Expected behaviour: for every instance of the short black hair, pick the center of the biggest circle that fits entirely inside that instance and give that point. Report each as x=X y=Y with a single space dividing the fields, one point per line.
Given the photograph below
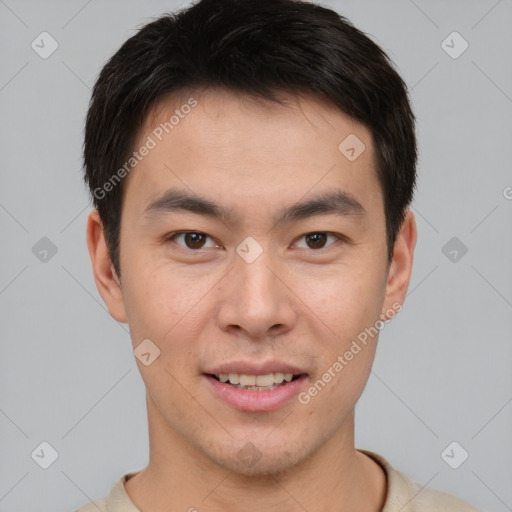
x=259 y=48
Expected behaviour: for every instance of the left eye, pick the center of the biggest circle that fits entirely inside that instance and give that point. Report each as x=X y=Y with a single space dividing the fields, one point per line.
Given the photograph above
x=317 y=240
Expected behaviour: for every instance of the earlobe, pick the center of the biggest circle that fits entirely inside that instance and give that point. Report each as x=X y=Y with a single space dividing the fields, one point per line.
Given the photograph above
x=106 y=279
x=401 y=265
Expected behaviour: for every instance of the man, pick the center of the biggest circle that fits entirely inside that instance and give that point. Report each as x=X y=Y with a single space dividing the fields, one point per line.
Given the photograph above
x=251 y=165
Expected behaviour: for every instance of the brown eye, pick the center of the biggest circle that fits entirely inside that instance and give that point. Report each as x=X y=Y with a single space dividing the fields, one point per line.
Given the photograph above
x=192 y=239
x=317 y=240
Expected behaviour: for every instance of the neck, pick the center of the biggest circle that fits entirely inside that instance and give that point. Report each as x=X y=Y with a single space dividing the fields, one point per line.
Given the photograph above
x=335 y=476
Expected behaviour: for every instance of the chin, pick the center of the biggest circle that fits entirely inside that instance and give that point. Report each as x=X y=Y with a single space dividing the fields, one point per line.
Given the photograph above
x=259 y=458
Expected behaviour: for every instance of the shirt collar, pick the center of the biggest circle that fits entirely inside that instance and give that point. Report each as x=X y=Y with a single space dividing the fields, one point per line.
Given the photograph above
x=398 y=495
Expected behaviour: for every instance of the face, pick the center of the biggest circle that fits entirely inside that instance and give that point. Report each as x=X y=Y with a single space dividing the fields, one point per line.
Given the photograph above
x=252 y=245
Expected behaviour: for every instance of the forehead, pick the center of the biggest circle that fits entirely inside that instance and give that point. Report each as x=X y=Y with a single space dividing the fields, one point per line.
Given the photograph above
x=237 y=146
x=230 y=110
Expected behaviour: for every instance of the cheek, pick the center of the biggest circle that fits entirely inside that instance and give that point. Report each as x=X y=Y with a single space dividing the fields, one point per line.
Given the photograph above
x=152 y=294
x=348 y=304
x=150 y=304
x=165 y=306
x=346 y=301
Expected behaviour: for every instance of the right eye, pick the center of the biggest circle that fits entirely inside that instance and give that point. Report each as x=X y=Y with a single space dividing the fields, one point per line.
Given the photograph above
x=193 y=240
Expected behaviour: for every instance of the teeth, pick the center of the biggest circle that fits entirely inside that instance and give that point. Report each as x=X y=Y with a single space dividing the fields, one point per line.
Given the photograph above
x=255 y=380
x=265 y=380
x=245 y=380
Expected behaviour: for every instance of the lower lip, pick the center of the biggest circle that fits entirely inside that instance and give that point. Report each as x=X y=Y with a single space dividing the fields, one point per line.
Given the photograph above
x=253 y=401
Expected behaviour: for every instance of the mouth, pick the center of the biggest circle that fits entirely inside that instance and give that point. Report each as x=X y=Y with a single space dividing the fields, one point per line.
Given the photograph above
x=250 y=392
x=247 y=382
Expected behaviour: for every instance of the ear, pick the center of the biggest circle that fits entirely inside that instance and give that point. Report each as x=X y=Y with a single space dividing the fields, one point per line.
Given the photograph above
x=400 y=267
x=107 y=282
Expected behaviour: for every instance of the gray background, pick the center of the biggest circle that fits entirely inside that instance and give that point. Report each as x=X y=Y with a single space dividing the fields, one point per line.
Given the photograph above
x=443 y=367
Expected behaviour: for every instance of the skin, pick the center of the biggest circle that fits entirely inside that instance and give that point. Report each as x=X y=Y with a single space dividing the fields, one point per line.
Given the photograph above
x=293 y=303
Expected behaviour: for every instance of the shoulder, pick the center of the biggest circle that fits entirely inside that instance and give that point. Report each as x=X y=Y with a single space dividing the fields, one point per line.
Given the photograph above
x=94 y=506
x=405 y=495
x=429 y=500
x=117 y=501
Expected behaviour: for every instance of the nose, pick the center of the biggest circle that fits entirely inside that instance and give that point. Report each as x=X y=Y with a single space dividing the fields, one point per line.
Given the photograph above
x=257 y=299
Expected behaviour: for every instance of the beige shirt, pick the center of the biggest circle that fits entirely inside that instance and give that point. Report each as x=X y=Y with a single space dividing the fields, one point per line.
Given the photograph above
x=403 y=495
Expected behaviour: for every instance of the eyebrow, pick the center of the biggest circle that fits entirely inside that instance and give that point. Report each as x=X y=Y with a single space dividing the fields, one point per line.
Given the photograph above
x=337 y=202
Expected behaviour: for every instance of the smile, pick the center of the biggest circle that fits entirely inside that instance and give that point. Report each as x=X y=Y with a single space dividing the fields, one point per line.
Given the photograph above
x=256 y=393
x=256 y=382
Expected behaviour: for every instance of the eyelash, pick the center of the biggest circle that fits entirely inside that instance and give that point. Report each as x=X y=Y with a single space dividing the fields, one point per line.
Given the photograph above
x=171 y=238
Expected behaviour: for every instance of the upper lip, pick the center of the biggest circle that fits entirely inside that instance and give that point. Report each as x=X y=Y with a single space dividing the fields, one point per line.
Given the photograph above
x=255 y=368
